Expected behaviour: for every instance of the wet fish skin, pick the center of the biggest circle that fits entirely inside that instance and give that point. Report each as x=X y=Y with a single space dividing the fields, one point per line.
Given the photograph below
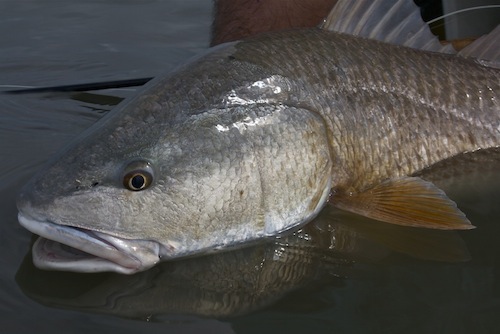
x=210 y=186
x=390 y=111
x=248 y=140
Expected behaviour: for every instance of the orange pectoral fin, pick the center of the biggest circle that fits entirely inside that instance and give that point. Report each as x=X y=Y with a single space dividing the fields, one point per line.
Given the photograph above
x=408 y=201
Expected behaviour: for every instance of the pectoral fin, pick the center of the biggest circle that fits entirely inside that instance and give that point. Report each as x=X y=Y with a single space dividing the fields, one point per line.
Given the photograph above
x=408 y=201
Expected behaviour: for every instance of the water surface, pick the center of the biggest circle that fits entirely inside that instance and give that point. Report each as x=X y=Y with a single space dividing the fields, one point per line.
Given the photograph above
x=341 y=274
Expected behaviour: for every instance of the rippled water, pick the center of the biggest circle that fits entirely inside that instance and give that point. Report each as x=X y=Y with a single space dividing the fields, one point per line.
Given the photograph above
x=340 y=274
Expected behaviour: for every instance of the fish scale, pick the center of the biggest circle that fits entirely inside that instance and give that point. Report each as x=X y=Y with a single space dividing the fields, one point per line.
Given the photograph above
x=455 y=93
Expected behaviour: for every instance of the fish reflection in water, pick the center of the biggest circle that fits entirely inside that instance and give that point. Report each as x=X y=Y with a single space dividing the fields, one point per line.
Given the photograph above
x=241 y=281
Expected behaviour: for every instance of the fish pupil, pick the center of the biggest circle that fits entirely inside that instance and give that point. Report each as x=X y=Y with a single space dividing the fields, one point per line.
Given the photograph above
x=137 y=182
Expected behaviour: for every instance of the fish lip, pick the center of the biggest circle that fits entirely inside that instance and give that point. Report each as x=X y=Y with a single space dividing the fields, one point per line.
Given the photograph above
x=96 y=251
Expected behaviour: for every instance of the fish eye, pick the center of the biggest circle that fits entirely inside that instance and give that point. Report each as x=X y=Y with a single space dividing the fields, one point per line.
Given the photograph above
x=138 y=175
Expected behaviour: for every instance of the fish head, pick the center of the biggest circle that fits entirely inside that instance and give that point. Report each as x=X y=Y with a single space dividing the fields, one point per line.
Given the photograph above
x=151 y=182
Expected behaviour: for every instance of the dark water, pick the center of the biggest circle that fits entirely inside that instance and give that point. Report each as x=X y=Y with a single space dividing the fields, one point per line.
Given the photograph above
x=340 y=274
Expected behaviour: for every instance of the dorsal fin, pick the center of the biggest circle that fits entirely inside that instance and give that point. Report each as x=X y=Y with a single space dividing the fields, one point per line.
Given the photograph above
x=392 y=21
x=486 y=49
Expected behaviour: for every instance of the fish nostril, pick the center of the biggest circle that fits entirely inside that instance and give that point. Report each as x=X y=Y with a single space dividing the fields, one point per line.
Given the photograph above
x=80 y=186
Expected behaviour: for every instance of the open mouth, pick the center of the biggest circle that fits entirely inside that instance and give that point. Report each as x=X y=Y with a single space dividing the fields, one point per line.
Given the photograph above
x=74 y=249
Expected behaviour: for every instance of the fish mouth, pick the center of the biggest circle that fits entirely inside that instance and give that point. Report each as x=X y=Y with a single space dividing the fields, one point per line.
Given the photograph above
x=75 y=249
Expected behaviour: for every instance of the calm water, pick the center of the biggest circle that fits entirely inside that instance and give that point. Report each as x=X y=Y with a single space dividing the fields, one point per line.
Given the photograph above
x=340 y=274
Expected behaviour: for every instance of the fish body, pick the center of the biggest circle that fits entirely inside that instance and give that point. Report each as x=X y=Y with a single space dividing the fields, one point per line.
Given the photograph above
x=253 y=139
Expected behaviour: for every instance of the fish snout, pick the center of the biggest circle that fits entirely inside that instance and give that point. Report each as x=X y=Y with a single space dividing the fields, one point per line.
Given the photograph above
x=31 y=201
x=24 y=199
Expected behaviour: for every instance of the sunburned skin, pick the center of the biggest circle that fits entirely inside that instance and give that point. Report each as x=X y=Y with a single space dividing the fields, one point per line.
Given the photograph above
x=238 y=19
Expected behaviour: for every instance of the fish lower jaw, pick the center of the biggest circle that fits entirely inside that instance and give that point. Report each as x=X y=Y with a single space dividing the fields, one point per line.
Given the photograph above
x=74 y=249
x=52 y=255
